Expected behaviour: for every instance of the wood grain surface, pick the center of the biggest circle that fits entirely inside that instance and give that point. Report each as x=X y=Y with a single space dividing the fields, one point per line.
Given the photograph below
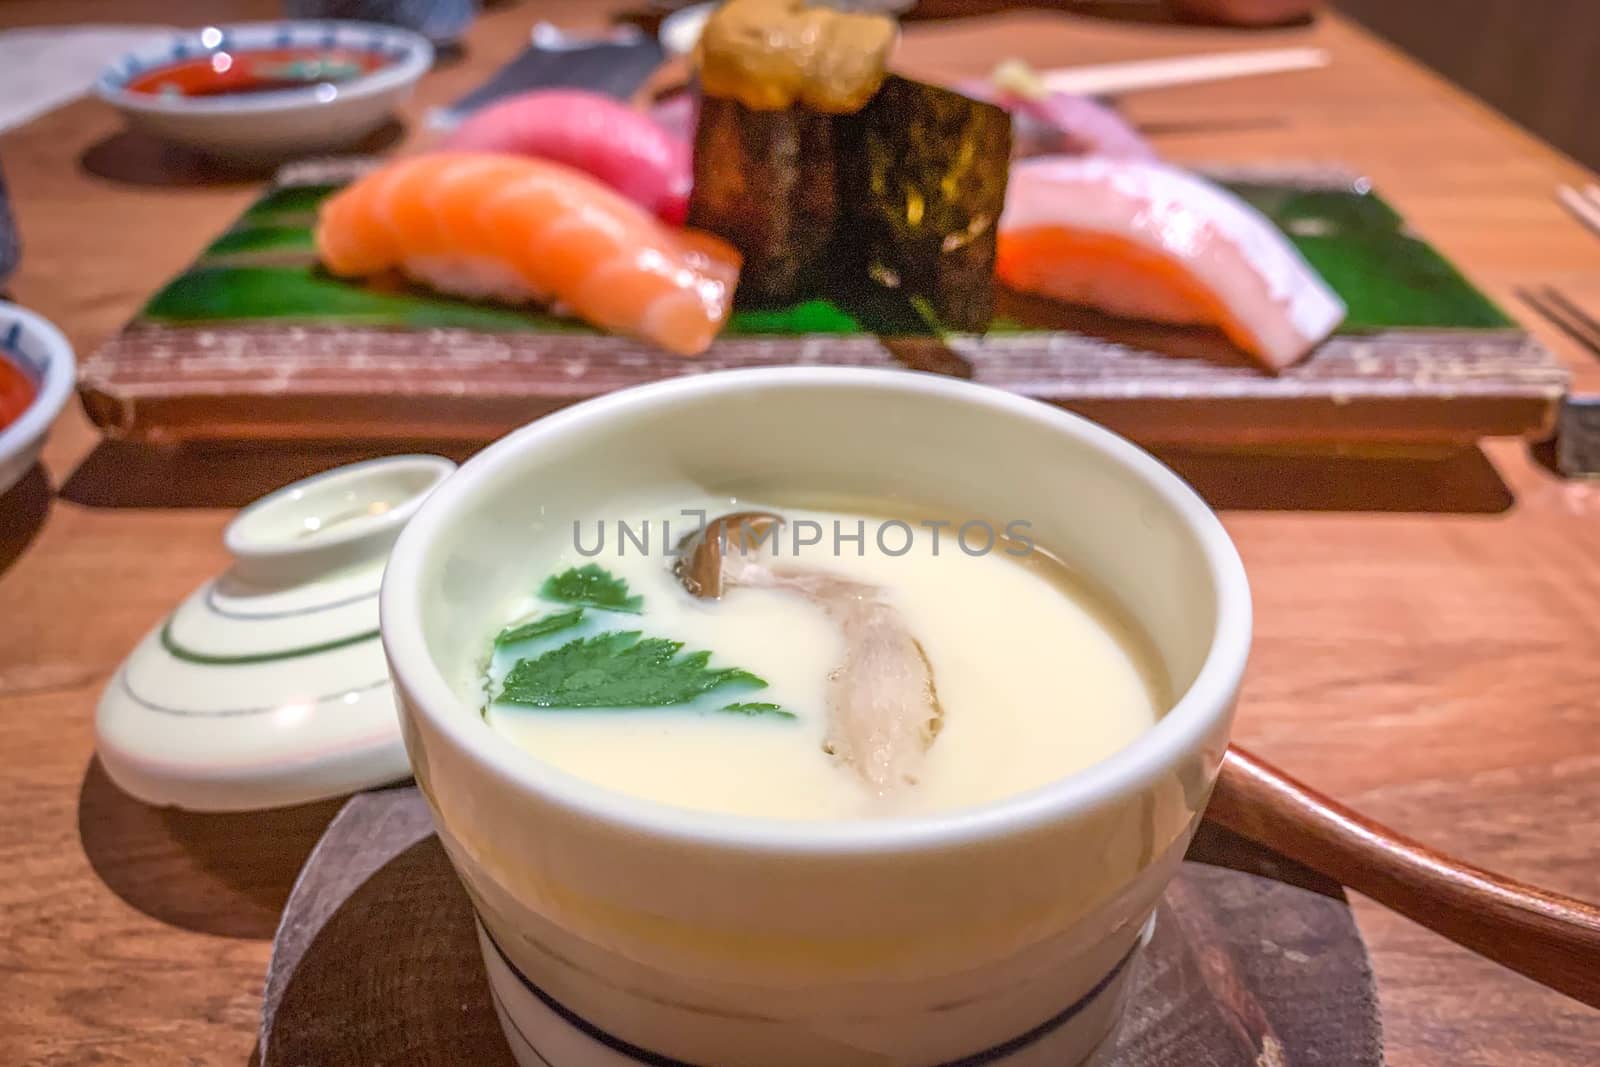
x=277 y=383
x=1426 y=644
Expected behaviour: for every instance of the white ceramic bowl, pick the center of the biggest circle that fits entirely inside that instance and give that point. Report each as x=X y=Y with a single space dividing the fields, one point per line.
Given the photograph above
x=279 y=123
x=622 y=931
x=30 y=342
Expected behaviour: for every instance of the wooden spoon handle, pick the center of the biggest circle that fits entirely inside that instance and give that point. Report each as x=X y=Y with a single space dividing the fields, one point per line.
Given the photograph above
x=1554 y=940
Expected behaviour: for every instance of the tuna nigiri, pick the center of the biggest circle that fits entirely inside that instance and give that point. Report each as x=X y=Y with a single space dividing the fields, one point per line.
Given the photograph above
x=1145 y=240
x=593 y=133
x=515 y=229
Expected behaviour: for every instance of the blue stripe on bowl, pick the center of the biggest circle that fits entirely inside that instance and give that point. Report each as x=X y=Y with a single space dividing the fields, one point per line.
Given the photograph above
x=13 y=337
x=1050 y=1025
x=522 y=1038
x=655 y=1059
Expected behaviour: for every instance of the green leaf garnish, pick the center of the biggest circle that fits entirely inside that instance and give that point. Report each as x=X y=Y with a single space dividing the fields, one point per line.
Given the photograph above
x=617 y=670
x=759 y=707
x=591 y=586
x=539 y=627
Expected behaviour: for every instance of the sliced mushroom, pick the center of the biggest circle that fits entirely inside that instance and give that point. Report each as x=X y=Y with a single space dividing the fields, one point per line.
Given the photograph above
x=883 y=706
x=715 y=555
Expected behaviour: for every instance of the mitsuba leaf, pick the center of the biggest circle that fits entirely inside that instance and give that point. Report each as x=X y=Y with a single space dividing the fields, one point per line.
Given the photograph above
x=618 y=670
x=759 y=707
x=539 y=627
x=591 y=586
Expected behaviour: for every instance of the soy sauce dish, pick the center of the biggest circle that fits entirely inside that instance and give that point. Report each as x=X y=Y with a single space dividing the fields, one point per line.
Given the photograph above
x=635 y=918
x=268 y=90
x=37 y=372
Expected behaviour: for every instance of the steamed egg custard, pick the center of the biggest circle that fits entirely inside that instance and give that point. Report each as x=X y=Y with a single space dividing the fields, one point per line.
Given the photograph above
x=913 y=669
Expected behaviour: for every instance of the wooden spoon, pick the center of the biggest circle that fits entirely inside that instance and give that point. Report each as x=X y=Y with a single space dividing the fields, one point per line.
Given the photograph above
x=1553 y=939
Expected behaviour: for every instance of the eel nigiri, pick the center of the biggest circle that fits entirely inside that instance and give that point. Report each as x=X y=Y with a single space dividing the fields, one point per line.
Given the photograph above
x=514 y=229
x=1145 y=240
x=591 y=132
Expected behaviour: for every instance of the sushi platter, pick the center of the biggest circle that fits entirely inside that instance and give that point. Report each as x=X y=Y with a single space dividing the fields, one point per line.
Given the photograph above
x=556 y=248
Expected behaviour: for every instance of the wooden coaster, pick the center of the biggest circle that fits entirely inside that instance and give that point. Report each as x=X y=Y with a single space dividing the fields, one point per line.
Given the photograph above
x=1255 y=962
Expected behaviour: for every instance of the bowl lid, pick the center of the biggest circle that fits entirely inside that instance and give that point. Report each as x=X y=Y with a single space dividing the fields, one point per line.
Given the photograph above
x=268 y=686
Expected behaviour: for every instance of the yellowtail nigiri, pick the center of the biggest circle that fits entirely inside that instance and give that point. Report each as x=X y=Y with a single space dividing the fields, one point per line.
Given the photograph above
x=1145 y=240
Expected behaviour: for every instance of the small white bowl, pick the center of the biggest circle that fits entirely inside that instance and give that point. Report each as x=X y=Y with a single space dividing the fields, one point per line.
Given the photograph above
x=45 y=356
x=278 y=123
x=620 y=931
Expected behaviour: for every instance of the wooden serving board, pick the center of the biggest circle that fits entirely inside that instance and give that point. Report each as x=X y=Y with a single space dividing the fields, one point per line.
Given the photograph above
x=1254 y=963
x=255 y=342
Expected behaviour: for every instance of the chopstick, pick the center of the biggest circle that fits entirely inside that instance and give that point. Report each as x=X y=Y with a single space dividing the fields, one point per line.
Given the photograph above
x=1109 y=78
x=1585 y=206
x=1565 y=315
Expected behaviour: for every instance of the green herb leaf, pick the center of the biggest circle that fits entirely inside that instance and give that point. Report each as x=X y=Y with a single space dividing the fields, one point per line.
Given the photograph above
x=759 y=707
x=592 y=586
x=617 y=670
x=539 y=627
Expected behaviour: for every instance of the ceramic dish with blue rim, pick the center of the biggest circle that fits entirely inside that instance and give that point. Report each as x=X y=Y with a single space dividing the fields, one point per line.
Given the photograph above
x=268 y=90
x=37 y=372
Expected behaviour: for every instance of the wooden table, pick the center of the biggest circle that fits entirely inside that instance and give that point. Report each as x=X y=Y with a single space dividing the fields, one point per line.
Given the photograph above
x=1426 y=646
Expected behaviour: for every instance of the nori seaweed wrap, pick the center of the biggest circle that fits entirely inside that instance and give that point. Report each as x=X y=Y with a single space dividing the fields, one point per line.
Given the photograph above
x=819 y=166
x=766 y=182
x=922 y=177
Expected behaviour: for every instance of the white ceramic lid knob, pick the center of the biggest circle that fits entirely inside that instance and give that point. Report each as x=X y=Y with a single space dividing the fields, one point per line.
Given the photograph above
x=329 y=521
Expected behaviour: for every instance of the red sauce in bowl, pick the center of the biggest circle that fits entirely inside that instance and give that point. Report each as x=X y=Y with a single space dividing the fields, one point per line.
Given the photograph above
x=258 y=71
x=16 y=392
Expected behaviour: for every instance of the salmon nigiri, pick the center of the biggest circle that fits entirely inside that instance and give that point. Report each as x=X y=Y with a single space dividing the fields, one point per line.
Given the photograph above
x=1145 y=240
x=514 y=229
